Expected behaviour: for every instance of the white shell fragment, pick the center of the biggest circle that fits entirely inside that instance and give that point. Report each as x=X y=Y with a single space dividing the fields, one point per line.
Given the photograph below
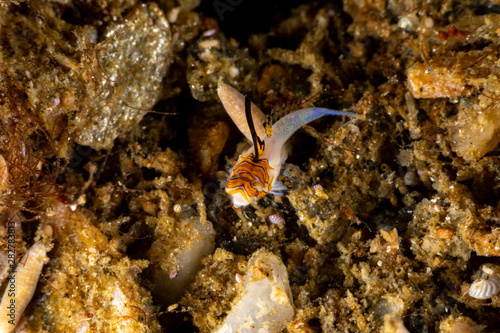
x=266 y=301
x=485 y=288
x=489 y=283
x=21 y=286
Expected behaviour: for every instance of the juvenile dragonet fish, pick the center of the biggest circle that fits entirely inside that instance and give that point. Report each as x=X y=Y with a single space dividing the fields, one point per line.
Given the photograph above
x=256 y=171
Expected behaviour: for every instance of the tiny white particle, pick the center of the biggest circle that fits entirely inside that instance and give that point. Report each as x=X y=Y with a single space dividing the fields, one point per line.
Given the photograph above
x=209 y=33
x=234 y=71
x=209 y=43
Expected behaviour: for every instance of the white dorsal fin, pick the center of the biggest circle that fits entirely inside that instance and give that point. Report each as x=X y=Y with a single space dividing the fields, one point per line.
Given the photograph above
x=234 y=103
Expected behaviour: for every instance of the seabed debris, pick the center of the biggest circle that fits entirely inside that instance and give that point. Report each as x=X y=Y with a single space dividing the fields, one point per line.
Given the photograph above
x=115 y=151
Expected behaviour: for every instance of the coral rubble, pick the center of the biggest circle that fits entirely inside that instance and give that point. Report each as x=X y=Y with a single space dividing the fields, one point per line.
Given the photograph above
x=112 y=136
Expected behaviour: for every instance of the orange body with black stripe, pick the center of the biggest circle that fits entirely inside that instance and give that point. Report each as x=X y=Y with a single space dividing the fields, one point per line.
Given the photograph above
x=253 y=177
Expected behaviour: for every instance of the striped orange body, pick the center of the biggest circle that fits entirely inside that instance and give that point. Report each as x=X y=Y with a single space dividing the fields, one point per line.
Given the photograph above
x=250 y=178
x=256 y=172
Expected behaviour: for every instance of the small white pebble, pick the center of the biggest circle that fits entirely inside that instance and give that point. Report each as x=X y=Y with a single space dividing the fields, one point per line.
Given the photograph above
x=209 y=33
x=428 y=22
x=410 y=178
x=209 y=43
x=405 y=23
x=173 y=14
x=47 y=230
x=239 y=278
x=234 y=71
x=172 y=307
x=276 y=219
x=56 y=101
x=177 y=208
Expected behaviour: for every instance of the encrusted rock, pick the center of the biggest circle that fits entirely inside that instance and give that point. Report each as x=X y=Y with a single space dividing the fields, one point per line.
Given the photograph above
x=132 y=60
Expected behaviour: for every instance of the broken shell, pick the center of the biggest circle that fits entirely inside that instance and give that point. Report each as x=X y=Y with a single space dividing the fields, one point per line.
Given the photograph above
x=21 y=286
x=485 y=288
